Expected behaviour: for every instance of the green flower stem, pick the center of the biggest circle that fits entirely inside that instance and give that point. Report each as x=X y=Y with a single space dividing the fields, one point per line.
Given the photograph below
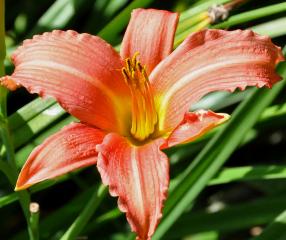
x=80 y=222
x=34 y=219
x=63 y=215
x=7 y=170
x=23 y=196
x=252 y=15
x=3 y=91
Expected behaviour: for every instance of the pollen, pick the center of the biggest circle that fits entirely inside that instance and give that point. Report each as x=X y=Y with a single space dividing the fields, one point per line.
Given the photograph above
x=143 y=112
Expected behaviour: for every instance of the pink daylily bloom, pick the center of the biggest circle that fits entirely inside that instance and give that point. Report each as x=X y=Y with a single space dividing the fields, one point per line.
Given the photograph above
x=133 y=105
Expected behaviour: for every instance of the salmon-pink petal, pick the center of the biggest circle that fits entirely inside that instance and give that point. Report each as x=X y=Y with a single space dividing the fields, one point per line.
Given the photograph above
x=194 y=125
x=139 y=176
x=80 y=70
x=208 y=61
x=151 y=33
x=71 y=148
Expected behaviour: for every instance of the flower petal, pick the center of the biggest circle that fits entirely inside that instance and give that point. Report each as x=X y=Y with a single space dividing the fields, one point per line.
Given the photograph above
x=194 y=125
x=208 y=61
x=151 y=33
x=71 y=148
x=139 y=176
x=80 y=70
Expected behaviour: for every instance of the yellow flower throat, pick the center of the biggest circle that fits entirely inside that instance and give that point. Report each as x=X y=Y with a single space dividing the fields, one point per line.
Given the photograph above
x=144 y=116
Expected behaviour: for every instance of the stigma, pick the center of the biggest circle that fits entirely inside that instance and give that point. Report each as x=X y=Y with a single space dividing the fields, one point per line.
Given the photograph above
x=143 y=112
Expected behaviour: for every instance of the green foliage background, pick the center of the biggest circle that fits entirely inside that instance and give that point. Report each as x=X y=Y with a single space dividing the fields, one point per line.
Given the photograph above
x=229 y=185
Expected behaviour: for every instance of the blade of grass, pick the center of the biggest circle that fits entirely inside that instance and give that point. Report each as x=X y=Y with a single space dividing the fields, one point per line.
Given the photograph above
x=8 y=199
x=275 y=28
x=28 y=112
x=7 y=170
x=275 y=230
x=105 y=10
x=106 y=217
x=204 y=236
x=247 y=173
x=37 y=124
x=217 y=151
x=112 y=30
x=93 y=203
x=220 y=100
x=231 y=218
x=58 y=15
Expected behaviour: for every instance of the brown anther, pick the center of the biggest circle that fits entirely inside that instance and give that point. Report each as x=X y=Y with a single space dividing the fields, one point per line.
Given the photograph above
x=128 y=64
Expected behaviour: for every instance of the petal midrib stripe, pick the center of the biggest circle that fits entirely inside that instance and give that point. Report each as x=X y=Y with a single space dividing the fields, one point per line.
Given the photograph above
x=181 y=83
x=70 y=70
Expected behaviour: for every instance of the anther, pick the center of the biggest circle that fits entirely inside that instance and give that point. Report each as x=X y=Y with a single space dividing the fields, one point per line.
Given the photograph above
x=143 y=113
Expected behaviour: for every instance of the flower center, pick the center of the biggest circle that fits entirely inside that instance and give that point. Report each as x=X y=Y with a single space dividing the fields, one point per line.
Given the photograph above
x=144 y=116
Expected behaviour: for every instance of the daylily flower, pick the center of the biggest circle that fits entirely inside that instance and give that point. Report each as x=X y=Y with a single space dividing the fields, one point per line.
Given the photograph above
x=133 y=105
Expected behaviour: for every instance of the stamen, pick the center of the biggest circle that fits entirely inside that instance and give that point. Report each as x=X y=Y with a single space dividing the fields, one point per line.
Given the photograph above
x=144 y=116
